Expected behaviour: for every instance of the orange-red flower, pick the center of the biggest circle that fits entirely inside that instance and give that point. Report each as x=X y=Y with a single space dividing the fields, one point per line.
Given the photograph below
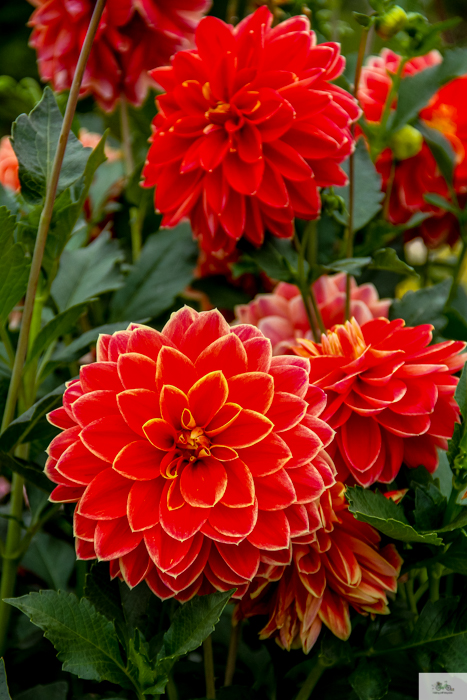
x=343 y=567
x=248 y=130
x=8 y=165
x=419 y=175
x=281 y=316
x=191 y=453
x=133 y=37
x=390 y=395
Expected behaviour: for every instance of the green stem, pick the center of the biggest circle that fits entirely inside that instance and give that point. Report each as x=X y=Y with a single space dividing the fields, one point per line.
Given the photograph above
x=421 y=590
x=457 y=274
x=46 y=218
x=313 y=678
x=434 y=586
x=411 y=598
x=5 y=338
x=235 y=636
x=172 y=689
x=126 y=137
x=209 y=669
x=304 y=287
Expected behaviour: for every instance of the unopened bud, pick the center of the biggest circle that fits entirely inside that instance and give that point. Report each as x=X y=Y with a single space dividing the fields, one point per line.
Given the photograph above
x=406 y=142
x=333 y=202
x=393 y=21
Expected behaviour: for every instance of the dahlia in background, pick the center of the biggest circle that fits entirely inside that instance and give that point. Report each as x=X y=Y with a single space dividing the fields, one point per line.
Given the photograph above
x=390 y=396
x=281 y=316
x=192 y=455
x=344 y=567
x=8 y=166
x=248 y=130
x=418 y=175
x=133 y=37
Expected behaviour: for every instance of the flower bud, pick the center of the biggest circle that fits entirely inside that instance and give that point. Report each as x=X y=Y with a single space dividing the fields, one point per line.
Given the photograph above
x=406 y=142
x=391 y=22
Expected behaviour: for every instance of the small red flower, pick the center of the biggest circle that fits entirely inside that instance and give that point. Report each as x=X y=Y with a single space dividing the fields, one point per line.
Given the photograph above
x=8 y=165
x=248 y=130
x=343 y=567
x=419 y=175
x=133 y=37
x=281 y=316
x=390 y=395
x=192 y=454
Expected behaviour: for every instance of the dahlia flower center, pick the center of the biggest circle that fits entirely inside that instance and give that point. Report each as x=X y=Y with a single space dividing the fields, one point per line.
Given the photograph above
x=345 y=340
x=193 y=443
x=231 y=115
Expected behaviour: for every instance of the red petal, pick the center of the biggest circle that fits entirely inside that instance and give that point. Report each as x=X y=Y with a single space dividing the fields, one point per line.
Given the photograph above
x=174 y=368
x=143 y=504
x=63 y=441
x=84 y=550
x=252 y=390
x=135 y=565
x=66 y=494
x=290 y=378
x=157 y=586
x=272 y=530
x=60 y=418
x=167 y=552
x=106 y=496
x=137 y=407
x=183 y=522
x=207 y=396
x=161 y=434
x=240 y=491
x=248 y=429
x=275 y=491
x=173 y=402
x=147 y=341
x=100 y=375
x=267 y=456
x=118 y=344
x=242 y=558
x=208 y=327
x=226 y=354
x=80 y=465
x=203 y=482
x=113 y=539
x=137 y=371
x=244 y=178
x=259 y=353
x=107 y=436
x=286 y=411
x=361 y=441
x=308 y=483
x=219 y=573
x=233 y=521
x=83 y=528
x=405 y=426
x=287 y=160
x=298 y=520
x=303 y=443
x=94 y=405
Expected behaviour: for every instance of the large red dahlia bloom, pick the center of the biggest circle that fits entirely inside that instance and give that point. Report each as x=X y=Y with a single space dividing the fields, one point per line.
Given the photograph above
x=249 y=128
x=192 y=454
x=133 y=37
x=419 y=175
x=345 y=566
x=281 y=316
x=390 y=395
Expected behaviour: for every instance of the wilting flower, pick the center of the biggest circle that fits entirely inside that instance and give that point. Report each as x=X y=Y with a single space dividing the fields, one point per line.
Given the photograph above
x=281 y=316
x=419 y=175
x=248 y=130
x=8 y=165
x=343 y=567
x=191 y=453
x=390 y=395
x=133 y=37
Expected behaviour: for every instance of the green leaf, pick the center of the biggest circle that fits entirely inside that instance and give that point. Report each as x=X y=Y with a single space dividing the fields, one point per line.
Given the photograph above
x=353 y=266
x=423 y=306
x=88 y=272
x=387 y=517
x=85 y=640
x=70 y=352
x=368 y=195
x=461 y=392
x=278 y=261
x=164 y=269
x=221 y=294
x=438 y=201
x=456 y=556
x=28 y=470
x=387 y=259
x=415 y=91
x=370 y=680
x=430 y=505
x=52 y=691
x=35 y=139
x=105 y=597
x=4 y=691
x=51 y=559
x=457 y=523
x=14 y=266
x=32 y=423
x=57 y=327
x=441 y=150
x=191 y=624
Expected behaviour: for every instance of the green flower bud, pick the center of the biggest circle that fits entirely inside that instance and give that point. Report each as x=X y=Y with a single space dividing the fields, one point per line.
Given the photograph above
x=406 y=142
x=391 y=22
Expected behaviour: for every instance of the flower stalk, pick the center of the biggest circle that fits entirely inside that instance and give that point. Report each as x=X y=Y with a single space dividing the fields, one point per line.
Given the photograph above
x=235 y=636
x=312 y=680
x=209 y=669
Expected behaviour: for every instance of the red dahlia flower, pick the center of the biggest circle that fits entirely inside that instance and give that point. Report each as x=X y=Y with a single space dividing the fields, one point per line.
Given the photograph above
x=8 y=165
x=133 y=37
x=281 y=316
x=192 y=454
x=416 y=176
x=390 y=395
x=345 y=566
x=248 y=130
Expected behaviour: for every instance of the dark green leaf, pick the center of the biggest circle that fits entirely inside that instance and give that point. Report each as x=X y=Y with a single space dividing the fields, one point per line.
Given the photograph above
x=387 y=259
x=4 y=691
x=277 y=261
x=164 y=269
x=85 y=640
x=29 y=471
x=415 y=91
x=221 y=294
x=14 y=266
x=430 y=505
x=51 y=559
x=35 y=140
x=423 y=306
x=370 y=680
x=32 y=422
x=363 y=20
x=353 y=266
x=105 y=597
x=373 y=508
x=456 y=556
x=368 y=195
x=442 y=151
x=457 y=523
x=52 y=691
x=70 y=352
x=60 y=325
x=461 y=392
x=88 y=272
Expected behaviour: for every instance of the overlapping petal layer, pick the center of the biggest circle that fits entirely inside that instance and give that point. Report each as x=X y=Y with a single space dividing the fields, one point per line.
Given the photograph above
x=248 y=130
x=281 y=316
x=419 y=175
x=343 y=567
x=191 y=453
x=134 y=36
x=390 y=395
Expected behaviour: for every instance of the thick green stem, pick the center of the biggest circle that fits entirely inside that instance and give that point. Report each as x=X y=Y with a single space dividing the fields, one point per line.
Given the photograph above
x=235 y=636
x=172 y=692
x=209 y=669
x=306 y=290
x=313 y=678
x=46 y=218
x=411 y=598
x=136 y=221
x=434 y=586
x=5 y=338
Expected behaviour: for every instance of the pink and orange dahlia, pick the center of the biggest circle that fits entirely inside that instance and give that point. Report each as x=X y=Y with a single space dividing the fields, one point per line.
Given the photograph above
x=248 y=130
x=134 y=36
x=419 y=175
x=343 y=567
x=281 y=316
x=8 y=165
x=192 y=455
x=390 y=395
